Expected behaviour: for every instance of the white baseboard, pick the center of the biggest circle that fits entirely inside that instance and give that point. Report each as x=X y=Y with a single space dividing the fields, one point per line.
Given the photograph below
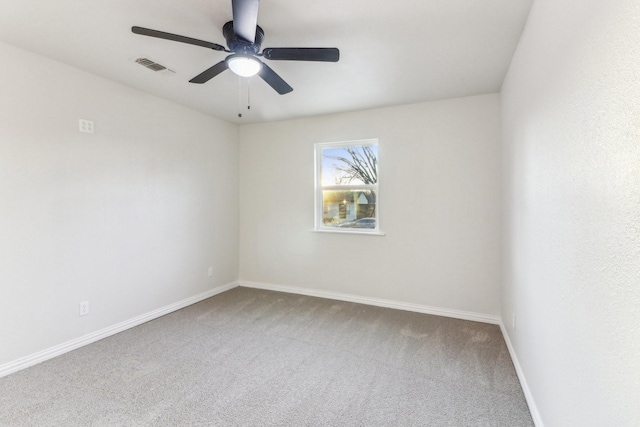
x=41 y=356
x=457 y=314
x=535 y=414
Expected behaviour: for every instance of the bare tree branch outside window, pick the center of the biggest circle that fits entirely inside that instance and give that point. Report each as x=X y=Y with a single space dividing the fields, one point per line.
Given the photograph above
x=362 y=165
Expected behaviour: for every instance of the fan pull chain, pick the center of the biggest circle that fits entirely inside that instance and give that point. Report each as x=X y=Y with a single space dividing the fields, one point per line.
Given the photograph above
x=239 y=95
x=248 y=93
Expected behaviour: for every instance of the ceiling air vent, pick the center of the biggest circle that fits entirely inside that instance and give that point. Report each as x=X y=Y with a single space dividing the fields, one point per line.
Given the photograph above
x=154 y=66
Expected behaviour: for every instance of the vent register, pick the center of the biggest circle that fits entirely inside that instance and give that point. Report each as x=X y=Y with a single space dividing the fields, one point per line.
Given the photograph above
x=154 y=66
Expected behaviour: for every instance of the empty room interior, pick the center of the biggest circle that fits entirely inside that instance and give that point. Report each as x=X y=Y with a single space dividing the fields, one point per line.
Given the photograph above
x=173 y=253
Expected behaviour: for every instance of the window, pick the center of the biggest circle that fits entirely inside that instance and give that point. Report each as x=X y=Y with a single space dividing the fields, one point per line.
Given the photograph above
x=347 y=186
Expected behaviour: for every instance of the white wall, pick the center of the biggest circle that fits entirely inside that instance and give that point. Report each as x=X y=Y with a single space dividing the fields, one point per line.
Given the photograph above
x=439 y=206
x=571 y=132
x=128 y=218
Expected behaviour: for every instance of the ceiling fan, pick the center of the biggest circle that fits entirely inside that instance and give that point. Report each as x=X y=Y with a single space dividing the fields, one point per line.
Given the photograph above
x=244 y=38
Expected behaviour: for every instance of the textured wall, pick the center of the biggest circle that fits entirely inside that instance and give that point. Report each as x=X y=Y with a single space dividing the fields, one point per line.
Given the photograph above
x=439 y=206
x=128 y=218
x=571 y=252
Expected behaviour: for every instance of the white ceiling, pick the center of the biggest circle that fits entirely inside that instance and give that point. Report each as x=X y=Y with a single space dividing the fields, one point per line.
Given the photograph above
x=391 y=52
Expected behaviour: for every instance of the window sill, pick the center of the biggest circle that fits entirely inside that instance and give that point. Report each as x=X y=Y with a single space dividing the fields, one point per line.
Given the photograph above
x=361 y=233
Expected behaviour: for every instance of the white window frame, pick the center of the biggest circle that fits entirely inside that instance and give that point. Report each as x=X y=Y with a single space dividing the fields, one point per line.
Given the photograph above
x=318 y=205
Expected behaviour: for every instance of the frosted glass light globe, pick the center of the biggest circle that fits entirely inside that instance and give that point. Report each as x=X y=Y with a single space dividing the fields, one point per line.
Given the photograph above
x=244 y=65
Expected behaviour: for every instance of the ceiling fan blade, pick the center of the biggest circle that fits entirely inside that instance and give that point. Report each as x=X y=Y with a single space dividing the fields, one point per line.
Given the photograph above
x=245 y=18
x=176 y=38
x=274 y=80
x=209 y=73
x=324 y=54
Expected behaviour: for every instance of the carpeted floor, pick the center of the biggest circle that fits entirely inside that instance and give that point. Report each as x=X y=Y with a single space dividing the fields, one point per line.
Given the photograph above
x=250 y=357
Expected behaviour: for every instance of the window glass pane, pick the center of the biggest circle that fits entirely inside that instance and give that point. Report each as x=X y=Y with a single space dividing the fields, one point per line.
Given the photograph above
x=350 y=165
x=349 y=208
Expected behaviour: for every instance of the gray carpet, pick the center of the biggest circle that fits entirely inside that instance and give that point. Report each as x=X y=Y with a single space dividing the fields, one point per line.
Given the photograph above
x=250 y=357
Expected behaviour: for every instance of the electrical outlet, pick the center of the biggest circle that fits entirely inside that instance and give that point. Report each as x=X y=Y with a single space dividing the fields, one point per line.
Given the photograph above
x=84 y=308
x=210 y=271
x=85 y=126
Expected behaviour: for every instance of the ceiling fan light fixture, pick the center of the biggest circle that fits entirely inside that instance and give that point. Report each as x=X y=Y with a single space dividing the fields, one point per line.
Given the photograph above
x=243 y=65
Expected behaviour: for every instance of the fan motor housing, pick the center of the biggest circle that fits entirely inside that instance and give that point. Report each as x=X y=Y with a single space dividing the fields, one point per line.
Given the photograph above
x=239 y=45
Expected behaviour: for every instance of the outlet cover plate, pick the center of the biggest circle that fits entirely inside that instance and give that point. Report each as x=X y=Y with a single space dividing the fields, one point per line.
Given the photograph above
x=85 y=126
x=84 y=308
